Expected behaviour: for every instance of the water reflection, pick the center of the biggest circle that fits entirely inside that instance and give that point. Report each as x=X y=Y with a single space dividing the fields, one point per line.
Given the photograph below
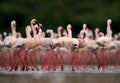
x=60 y=77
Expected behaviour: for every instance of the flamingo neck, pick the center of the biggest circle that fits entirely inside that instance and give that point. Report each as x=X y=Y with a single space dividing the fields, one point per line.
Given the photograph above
x=28 y=34
x=59 y=33
x=69 y=32
x=109 y=31
x=65 y=33
x=14 y=33
x=51 y=33
x=96 y=34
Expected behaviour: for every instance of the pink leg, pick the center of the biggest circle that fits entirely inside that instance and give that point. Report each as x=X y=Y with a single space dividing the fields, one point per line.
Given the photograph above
x=34 y=63
x=17 y=58
x=61 y=62
x=74 y=60
x=26 y=60
x=98 y=59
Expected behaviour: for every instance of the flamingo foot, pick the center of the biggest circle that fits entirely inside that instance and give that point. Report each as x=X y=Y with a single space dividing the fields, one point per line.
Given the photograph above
x=73 y=69
x=23 y=68
x=16 y=67
x=62 y=68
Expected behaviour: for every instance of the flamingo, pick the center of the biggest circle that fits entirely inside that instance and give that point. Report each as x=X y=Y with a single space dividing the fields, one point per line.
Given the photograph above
x=59 y=29
x=67 y=42
x=58 y=47
x=28 y=43
x=9 y=41
x=87 y=46
x=105 y=42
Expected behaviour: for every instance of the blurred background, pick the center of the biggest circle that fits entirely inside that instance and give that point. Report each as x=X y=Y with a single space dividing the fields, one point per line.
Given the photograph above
x=54 y=13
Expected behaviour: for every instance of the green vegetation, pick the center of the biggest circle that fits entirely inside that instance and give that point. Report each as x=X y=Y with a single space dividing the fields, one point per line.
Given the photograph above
x=52 y=13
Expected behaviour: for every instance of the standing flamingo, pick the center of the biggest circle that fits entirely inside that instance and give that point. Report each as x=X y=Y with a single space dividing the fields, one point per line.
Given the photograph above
x=105 y=42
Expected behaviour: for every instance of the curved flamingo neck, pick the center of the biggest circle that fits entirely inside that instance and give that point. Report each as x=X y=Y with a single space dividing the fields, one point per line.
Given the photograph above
x=96 y=33
x=65 y=33
x=69 y=27
x=28 y=31
x=109 y=31
x=13 y=28
x=83 y=32
x=33 y=26
x=51 y=31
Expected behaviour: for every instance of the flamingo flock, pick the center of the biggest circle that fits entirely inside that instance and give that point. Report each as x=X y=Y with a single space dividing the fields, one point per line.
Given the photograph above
x=47 y=50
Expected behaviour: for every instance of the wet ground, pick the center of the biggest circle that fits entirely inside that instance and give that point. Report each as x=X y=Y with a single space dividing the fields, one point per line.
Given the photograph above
x=67 y=76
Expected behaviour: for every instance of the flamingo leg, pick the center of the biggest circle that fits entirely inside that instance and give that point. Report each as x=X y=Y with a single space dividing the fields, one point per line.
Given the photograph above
x=31 y=58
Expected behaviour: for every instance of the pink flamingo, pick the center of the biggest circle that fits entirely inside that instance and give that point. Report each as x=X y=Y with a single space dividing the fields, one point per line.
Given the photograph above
x=29 y=42
x=105 y=42
x=87 y=46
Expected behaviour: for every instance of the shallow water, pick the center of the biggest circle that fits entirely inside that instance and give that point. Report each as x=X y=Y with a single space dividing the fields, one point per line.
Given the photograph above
x=59 y=77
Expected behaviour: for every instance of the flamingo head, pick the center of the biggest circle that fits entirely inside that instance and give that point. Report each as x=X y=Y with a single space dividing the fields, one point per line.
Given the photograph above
x=101 y=34
x=34 y=22
x=13 y=24
x=19 y=35
x=97 y=30
x=48 y=32
x=54 y=43
x=4 y=34
x=60 y=28
x=109 y=22
x=40 y=26
x=74 y=45
x=69 y=26
x=84 y=26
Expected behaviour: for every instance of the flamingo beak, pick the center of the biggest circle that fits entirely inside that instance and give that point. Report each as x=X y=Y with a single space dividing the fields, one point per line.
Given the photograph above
x=41 y=26
x=48 y=34
x=110 y=24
